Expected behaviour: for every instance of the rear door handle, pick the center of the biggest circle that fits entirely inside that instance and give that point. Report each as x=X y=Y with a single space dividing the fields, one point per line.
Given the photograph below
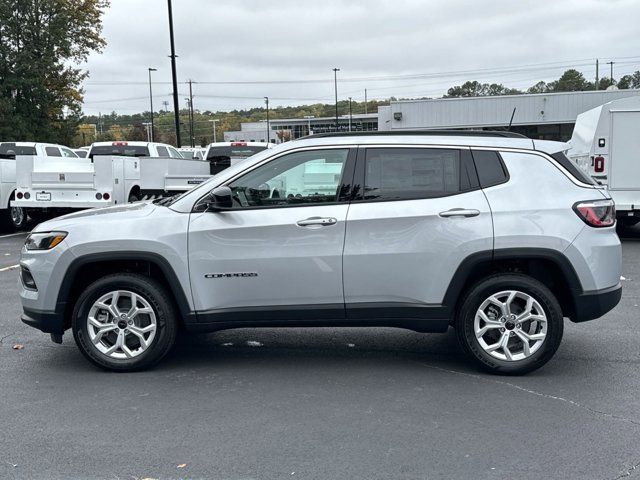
x=460 y=212
x=319 y=221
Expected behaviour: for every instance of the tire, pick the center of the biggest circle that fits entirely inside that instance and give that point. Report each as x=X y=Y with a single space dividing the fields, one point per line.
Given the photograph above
x=512 y=326
x=13 y=219
x=154 y=304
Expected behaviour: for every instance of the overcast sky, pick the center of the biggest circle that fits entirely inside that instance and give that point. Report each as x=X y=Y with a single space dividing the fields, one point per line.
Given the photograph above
x=301 y=41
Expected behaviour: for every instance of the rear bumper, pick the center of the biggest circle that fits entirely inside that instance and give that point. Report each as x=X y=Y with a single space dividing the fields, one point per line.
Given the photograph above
x=592 y=305
x=47 y=322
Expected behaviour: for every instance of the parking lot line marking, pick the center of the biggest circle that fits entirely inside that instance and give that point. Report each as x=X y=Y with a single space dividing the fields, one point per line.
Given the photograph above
x=12 y=267
x=14 y=234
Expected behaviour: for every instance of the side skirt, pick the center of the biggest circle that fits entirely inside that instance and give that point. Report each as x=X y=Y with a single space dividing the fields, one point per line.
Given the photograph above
x=417 y=317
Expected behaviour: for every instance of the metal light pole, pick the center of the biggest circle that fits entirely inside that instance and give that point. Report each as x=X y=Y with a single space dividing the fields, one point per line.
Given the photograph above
x=266 y=100
x=151 y=101
x=335 y=84
x=350 y=114
x=365 y=101
x=214 y=121
x=309 y=117
x=176 y=106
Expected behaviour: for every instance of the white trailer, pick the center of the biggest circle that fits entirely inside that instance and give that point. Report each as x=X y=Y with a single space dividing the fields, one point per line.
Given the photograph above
x=606 y=145
x=46 y=188
x=15 y=218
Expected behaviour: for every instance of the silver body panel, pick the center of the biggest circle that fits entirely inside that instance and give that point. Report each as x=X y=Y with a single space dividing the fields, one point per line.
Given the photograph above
x=393 y=251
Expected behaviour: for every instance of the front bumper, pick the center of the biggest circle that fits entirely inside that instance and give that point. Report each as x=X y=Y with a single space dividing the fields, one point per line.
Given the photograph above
x=592 y=305
x=47 y=322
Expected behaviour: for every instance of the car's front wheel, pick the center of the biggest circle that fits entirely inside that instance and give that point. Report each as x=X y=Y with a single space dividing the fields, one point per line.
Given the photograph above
x=510 y=324
x=124 y=322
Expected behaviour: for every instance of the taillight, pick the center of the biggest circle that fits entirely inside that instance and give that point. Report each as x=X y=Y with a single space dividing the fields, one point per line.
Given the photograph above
x=106 y=196
x=598 y=164
x=596 y=213
x=19 y=195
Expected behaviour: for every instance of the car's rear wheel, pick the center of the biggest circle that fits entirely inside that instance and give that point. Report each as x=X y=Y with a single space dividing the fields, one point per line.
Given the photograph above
x=510 y=324
x=124 y=322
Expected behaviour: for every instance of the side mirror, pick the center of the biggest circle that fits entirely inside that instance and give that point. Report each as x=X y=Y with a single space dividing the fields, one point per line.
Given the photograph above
x=221 y=199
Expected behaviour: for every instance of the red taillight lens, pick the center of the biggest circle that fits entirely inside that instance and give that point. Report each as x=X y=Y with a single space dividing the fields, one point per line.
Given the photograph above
x=106 y=196
x=597 y=213
x=598 y=164
x=19 y=195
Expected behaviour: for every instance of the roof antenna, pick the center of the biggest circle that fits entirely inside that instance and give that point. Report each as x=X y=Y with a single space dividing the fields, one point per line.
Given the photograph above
x=511 y=121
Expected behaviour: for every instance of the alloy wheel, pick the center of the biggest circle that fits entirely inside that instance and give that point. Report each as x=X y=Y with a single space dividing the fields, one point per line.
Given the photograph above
x=121 y=324
x=510 y=325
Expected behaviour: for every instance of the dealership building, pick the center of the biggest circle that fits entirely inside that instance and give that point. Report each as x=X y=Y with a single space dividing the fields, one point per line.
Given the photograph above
x=549 y=116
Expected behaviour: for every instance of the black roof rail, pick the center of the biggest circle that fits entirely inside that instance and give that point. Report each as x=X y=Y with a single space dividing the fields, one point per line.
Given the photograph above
x=444 y=133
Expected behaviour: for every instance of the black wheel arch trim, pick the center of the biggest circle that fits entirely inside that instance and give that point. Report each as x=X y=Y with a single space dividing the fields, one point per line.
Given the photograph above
x=465 y=269
x=167 y=270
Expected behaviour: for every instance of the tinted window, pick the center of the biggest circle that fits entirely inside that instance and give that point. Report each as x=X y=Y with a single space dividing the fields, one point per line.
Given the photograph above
x=490 y=168
x=236 y=152
x=81 y=153
x=10 y=150
x=405 y=173
x=162 y=151
x=573 y=169
x=298 y=178
x=52 y=151
x=122 y=150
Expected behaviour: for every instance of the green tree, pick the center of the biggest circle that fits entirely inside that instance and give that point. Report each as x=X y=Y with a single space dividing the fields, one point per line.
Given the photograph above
x=630 y=81
x=477 y=89
x=42 y=42
x=570 y=81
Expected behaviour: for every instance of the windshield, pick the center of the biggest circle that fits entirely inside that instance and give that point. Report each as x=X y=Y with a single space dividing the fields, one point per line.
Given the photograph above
x=123 y=150
x=10 y=150
x=233 y=152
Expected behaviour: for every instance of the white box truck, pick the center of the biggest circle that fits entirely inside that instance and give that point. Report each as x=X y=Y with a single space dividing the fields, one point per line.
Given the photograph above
x=46 y=188
x=606 y=145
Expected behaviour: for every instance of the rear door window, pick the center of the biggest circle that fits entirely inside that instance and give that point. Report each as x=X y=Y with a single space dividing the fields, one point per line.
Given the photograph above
x=52 y=151
x=413 y=173
x=9 y=150
x=491 y=169
x=121 y=150
x=162 y=151
x=173 y=153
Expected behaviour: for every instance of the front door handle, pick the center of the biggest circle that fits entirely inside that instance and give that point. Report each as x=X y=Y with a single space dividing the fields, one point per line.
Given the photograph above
x=460 y=212
x=319 y=221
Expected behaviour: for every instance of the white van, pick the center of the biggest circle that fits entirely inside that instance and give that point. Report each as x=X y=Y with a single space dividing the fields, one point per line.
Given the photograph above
x=606 y=145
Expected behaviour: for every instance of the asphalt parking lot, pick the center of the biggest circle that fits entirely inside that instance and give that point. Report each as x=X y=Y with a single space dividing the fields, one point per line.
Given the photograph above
x=322 y=403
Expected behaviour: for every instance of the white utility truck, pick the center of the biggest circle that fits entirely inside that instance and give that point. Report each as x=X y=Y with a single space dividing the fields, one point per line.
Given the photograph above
x=113 y=174
x=606 y=145
x=15 y=218
x=221 y=155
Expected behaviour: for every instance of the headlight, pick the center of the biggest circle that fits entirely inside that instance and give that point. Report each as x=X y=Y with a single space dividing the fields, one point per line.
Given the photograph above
x=44 y=240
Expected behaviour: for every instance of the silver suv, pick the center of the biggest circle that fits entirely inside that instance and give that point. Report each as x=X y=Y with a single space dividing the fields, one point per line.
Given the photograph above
x=494 y=234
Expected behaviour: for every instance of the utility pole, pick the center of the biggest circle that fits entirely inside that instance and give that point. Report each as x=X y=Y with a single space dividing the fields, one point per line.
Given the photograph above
x=266 y=101
x=100 y=122
x=151 y=101
x=335 y=84
x=611 y=63
x=176 y=106
x=214 y=121
x=597 y=74
x=192 y=133
x=166 y=105
x=365 y=101
x=350 y=114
